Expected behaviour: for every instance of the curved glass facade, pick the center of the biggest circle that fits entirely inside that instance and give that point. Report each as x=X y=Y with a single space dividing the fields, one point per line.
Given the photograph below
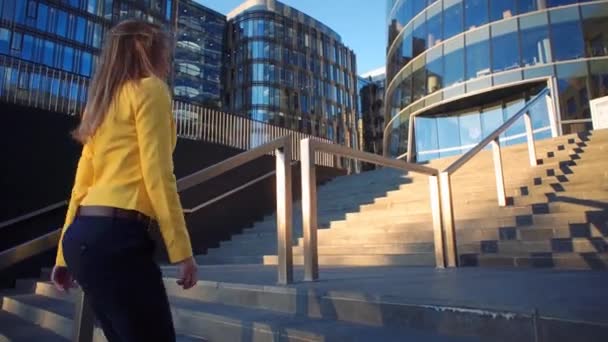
x=198 y=55
x=288 y=69
x=443 y=50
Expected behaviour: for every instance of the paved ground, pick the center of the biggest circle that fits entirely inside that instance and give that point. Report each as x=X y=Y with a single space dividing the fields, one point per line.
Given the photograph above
x=575 y=295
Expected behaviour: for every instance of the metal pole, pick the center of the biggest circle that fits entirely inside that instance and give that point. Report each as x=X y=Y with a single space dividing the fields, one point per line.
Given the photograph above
x=284 y=213
x=84 y=320
x=530 y=138
x=309 y=210
x=437 y=226
x=449 y=225
x=498 y=171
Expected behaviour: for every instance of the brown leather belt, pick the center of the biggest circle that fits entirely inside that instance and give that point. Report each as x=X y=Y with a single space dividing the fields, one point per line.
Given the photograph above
x=103 y=211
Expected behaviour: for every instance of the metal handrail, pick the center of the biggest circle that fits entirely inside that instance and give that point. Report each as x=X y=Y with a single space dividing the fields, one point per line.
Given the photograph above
x=29 y=249
x=231 y=192
x=308 y=149
x=447 y=207
x=34 y=213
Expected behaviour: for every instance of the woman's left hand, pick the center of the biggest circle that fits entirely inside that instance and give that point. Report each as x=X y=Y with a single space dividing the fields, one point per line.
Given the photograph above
x=62 y=279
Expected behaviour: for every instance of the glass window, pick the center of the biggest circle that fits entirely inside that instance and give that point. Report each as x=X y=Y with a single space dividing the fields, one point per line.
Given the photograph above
x=491 y=119
x=32 y=8
x=419 y=6
x=8 y=10
x=16 y=44
x=595 y=30
x=565 y=23
x=555 y=3
x=470 y=130
x=571 y=81
x=42 y=13
x=452 y=18
x=419 y=78
x=92 y=7
x=68 y=58
x=505 y=46
x=419 y=37
x=524 y=6
x=20 y=8
x=5 y=38
x=426 y=138
x=86 y=61
x=61 y=24
x=97 y=36
x=407 y=51
x=434 y=26
x=518 y=127
x=453 y=61
x=448 y=136
x=28 y=48
x=599 y=78
x=502 y=9
x=478 y=53
x=434 y=66
x=475 y=13
x=405 y=13
x=48 y=55
x=535 y=46
x=81 y=29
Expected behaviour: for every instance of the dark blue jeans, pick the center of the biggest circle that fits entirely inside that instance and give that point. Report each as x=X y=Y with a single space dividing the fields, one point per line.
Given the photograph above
x=113 y=261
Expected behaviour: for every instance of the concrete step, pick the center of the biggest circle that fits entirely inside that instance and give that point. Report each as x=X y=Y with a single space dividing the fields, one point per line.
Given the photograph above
x=525 y=248
x=371 y=249
x=583 y=261
x=206 y=311
x=15 y=328
x=530 y=233
x=53 y=314
x=263 y=248
x=342 y=236
x=419 y=259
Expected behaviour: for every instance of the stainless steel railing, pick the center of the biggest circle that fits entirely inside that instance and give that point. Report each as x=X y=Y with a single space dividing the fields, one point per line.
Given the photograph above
x=199 y=123
x=39 y=86
x=309 y=197
x=34 y=213
x=447 y=206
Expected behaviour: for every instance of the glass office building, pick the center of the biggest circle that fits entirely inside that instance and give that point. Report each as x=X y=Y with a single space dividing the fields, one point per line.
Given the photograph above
x=46 y=38
x=286 y=68
x=457 y=69
x=371 y=109
x=198 y=55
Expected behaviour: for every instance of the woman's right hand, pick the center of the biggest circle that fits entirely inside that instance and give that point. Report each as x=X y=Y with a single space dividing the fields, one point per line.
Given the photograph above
x=62 y=279
x=187 y=273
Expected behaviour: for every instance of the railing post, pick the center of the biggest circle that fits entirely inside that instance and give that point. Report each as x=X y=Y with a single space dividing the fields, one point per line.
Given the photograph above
x=437 y=225
x=284 y=213
x=498 y=171
x=449 y=224
x=309 y=210
x=84 y=320
x=530 y=138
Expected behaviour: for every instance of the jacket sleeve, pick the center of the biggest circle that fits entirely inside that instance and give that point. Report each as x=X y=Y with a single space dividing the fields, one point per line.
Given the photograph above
x=153 y=121
x=82 y=182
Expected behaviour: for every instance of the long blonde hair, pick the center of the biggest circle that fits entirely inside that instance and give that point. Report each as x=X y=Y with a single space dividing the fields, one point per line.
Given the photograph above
x=133 y=49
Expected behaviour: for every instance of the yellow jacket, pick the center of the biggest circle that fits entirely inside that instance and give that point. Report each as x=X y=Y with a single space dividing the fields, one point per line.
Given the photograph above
x=128 y=164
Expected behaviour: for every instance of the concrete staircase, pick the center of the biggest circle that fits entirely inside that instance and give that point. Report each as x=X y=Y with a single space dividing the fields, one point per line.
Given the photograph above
x=557 y=214
x=556 y=218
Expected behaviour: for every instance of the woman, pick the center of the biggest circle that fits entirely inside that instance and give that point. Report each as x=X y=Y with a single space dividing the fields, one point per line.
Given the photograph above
x=125 y=180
